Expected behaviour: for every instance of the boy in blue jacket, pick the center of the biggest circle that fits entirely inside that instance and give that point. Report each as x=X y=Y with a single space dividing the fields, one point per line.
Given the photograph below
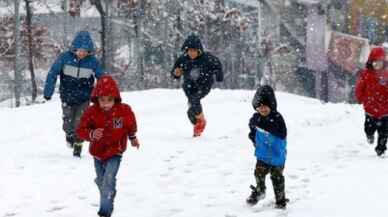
x=268 y=133
x=77 y=69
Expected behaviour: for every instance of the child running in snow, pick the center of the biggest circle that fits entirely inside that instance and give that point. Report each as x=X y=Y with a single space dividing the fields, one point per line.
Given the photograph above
x=372 y=93
x=77 y=69
x=107 y=125
x=268 y=133
x=198 y=69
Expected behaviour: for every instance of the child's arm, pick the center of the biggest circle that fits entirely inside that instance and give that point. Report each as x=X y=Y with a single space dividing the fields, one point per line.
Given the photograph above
x=97 y=68
x=85 y=130
x=51 y=79
x=132 y=128
x=282 y=129
x=217 y=68
x=360 y=88
x=252 y=127
x=177 y=69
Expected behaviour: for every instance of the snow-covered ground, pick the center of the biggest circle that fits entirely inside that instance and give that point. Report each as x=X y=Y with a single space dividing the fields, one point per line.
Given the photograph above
x=330 y=171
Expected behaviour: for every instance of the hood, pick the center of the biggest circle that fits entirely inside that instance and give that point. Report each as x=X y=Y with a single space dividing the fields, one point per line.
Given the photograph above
x=376 y=53
x=106 y=86
x=265 y=95
x=192 y=41
x=83 y=40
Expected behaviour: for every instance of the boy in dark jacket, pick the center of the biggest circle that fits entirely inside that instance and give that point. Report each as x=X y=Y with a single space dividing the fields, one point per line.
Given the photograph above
x=268 y=133
x=77 y=69
x=372 y=93
x=107 y=125
x=198 y=69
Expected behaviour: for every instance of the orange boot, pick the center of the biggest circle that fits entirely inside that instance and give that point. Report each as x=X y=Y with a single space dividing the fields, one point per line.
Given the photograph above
x=200 y=125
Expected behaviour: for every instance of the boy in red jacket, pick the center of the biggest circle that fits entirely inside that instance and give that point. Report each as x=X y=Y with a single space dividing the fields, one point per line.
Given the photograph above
x=107 y=125
x=372 y=93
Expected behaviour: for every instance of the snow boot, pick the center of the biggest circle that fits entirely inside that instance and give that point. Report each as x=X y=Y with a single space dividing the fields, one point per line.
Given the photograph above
x=370 y=139
x=281 y=204
x=379 y=151
x=77 y=149
x=255 y=196
x=70 y=141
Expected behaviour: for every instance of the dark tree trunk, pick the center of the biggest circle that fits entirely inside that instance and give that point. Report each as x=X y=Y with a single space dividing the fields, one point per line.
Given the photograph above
x=101 y=11
x=30 y=51
x=17 y=63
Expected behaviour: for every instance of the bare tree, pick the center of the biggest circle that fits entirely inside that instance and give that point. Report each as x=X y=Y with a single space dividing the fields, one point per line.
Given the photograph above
x=30 y=50
x=17 y=63
x=105 y=28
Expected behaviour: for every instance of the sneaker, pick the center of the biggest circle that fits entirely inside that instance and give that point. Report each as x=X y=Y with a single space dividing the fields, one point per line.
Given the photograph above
x=255 y=196
x=370 y=139
x=199 y=127
x=77 y=149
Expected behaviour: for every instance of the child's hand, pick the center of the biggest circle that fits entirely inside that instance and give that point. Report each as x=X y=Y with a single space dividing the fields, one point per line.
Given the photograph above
x=135 y=143
x=178 y=72
x=97 y=134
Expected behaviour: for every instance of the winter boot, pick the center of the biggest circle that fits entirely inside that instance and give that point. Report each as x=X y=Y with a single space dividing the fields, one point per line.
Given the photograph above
x=200 y=125
x=100 y=214
x=282 y=204
x=77 y=149
x=379 y=151
x=255 y=196
x=70 y=140
x=370 y=139
x=381 y=146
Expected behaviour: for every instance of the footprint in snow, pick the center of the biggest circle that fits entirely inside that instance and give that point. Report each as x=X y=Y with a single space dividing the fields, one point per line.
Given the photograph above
x=291 y=176
x=56 y=208
x=10 y=214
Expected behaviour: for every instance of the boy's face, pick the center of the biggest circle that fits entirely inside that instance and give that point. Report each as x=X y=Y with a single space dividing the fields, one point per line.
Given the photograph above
x=378 y=65
x=106 y=102
x=263 y=110
x=193 y=53
x=81 y=53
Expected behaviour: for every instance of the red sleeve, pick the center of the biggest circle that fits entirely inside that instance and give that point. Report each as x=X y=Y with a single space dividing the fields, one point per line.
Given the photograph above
x=84 y=127
x=360 y=88
x=132 y=125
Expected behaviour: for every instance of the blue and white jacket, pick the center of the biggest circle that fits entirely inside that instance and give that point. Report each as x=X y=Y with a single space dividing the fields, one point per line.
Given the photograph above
x=76 y=76
x=269 y=148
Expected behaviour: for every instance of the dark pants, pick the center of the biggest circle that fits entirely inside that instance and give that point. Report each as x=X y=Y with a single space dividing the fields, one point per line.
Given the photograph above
x=106 y=182
x=71 y=116
x=261 y=171
x=194 y=95
x=372 y=125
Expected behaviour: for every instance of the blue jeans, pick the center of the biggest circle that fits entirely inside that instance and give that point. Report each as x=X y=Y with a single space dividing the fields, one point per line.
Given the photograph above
x=106 y=182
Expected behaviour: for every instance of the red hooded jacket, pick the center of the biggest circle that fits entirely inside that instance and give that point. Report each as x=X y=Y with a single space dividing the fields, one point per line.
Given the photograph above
x=372 y=87
x=118 y=123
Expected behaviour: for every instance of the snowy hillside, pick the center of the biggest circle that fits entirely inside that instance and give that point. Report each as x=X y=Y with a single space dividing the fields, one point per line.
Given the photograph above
x=330 y=170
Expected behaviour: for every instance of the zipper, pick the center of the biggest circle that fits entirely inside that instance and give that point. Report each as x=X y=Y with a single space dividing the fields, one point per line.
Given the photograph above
x=78 y=69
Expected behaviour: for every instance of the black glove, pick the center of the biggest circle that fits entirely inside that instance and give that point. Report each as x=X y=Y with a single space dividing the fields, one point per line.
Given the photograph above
x=47 y=98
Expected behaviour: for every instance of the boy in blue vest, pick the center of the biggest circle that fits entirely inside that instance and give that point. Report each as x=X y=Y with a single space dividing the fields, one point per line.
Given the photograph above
x=268 y=133
x=77 y=69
